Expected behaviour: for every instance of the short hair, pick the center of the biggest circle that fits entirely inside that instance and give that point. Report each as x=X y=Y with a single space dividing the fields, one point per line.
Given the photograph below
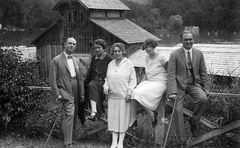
x=101 y=42
x=149 y=42
x=186 y=32
x=66 y=39
x=122 y=47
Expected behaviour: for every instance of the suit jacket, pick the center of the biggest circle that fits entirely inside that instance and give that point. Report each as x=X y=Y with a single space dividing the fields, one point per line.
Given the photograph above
x=178 y=72
x=59 y=79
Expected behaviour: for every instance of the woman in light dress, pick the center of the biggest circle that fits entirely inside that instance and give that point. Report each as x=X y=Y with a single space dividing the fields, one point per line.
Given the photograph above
x=119 y=84
x=154 y=84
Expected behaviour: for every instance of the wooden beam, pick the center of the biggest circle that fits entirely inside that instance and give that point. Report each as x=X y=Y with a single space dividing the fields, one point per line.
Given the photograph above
x=39 y=113
x=214 y=133
x=203 y=120
x=224 y=95
x=159 y=128
x=39 y=87
x=103 y=127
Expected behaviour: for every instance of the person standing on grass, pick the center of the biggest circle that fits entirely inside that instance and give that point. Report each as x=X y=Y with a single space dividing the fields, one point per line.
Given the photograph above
x=66 y=82
x=119 y=84
x=95 y=78
x=187 y=74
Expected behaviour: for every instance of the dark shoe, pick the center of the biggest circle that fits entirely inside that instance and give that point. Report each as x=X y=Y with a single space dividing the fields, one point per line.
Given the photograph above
x=68 y=146
x=134 y=124
x=94 y=117
x=182 y=144
x=154 y=122
x=193 y=128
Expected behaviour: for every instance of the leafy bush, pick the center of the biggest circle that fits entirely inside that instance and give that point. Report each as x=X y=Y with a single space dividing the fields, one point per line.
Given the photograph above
x=16 y=99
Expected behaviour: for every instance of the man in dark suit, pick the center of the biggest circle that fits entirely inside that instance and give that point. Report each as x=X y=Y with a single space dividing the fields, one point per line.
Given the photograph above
x=187 y=74
x=66 y=81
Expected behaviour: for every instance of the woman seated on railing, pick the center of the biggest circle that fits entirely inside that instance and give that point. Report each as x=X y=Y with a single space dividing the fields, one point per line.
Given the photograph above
x=153 y=86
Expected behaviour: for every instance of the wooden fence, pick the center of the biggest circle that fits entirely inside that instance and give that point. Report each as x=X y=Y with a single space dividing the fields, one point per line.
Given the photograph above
x=216 y=129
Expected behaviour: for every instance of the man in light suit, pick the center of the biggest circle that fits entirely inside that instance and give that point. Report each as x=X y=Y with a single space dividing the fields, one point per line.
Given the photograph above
x=187 y=74
x=66 y=82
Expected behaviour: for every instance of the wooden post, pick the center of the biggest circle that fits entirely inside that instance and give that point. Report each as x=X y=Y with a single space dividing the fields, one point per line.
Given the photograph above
x=159 y=128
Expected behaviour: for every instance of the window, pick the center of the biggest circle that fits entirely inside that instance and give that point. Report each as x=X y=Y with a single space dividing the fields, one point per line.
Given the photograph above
x=75 y=16
x=81 y=17
x=69 y=17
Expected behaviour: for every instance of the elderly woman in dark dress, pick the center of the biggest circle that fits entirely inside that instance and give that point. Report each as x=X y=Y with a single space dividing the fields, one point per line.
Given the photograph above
x=95 y=78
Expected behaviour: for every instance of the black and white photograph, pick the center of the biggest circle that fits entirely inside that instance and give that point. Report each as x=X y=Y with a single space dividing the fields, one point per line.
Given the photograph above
x=119 y=73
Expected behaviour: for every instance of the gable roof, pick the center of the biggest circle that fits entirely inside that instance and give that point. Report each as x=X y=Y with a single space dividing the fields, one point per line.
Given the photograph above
x=104 y=4
x=97 y=4
x=34 y=41
x=220 y=59
x=125 y=30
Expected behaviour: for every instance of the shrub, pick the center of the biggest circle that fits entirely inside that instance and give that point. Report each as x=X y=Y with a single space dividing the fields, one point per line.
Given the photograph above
x=16 y=99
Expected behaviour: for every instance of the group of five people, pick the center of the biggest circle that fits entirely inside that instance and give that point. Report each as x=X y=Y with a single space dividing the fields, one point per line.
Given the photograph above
x=114 y=79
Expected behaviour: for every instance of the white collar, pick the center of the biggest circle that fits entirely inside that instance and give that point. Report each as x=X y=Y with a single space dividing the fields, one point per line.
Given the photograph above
x=66 y=55
x=185 y=50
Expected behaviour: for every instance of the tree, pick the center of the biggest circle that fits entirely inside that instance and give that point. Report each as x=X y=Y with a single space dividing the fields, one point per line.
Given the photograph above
x=175 y=22
x=38 y=14
x=11 y=13
x=196 y=17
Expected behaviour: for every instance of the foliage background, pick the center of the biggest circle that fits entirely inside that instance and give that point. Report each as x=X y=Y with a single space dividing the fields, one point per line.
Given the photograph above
x=32 y=17
x=16 y=99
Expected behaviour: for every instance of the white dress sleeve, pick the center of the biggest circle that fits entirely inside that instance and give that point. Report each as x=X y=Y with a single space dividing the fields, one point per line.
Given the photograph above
x=132 y=79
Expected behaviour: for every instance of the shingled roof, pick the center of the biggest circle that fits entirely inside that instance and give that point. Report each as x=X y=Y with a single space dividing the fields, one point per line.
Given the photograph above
x=125 y=30
x=104 y=4
x=98 y=4
x=220 y=59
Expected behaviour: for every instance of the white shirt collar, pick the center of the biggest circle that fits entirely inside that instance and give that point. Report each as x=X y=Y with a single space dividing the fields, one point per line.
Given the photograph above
x=66 y=55
x=190 y=50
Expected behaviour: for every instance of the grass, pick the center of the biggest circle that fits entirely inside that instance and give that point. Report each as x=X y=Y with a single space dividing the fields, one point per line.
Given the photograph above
x=23 y=138
x=11 y=141
x=226 y=109
x=20 y=138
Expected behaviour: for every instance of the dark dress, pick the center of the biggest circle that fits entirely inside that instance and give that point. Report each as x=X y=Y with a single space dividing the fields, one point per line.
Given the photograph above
x=95 y=79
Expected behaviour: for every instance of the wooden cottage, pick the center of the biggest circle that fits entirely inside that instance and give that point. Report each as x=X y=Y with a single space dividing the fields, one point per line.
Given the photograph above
x=86 y=21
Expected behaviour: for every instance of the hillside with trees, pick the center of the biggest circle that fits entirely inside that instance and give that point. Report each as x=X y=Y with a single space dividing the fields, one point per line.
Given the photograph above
x=214 y=15
x=32 y=17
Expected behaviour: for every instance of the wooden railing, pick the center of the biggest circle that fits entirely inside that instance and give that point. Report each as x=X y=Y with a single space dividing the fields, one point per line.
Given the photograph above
x=159 y=129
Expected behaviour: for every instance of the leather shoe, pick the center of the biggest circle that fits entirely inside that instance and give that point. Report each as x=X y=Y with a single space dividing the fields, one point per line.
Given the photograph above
x=94 y=117
x=193 y=128
x=68 y=146
x=135 y=123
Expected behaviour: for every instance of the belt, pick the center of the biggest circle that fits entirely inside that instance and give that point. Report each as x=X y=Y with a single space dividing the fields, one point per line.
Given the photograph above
x=73 y=78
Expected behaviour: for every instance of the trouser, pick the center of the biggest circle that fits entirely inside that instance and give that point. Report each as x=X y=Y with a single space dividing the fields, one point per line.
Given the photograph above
x=201 y=103
x=70 y=114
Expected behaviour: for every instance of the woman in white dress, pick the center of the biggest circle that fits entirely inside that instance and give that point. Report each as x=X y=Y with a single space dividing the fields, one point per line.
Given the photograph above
x=154 y=84
x=119 y=84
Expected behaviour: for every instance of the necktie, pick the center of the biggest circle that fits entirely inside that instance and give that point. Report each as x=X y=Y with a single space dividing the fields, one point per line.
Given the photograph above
x=189 y=61
x=69 y=56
